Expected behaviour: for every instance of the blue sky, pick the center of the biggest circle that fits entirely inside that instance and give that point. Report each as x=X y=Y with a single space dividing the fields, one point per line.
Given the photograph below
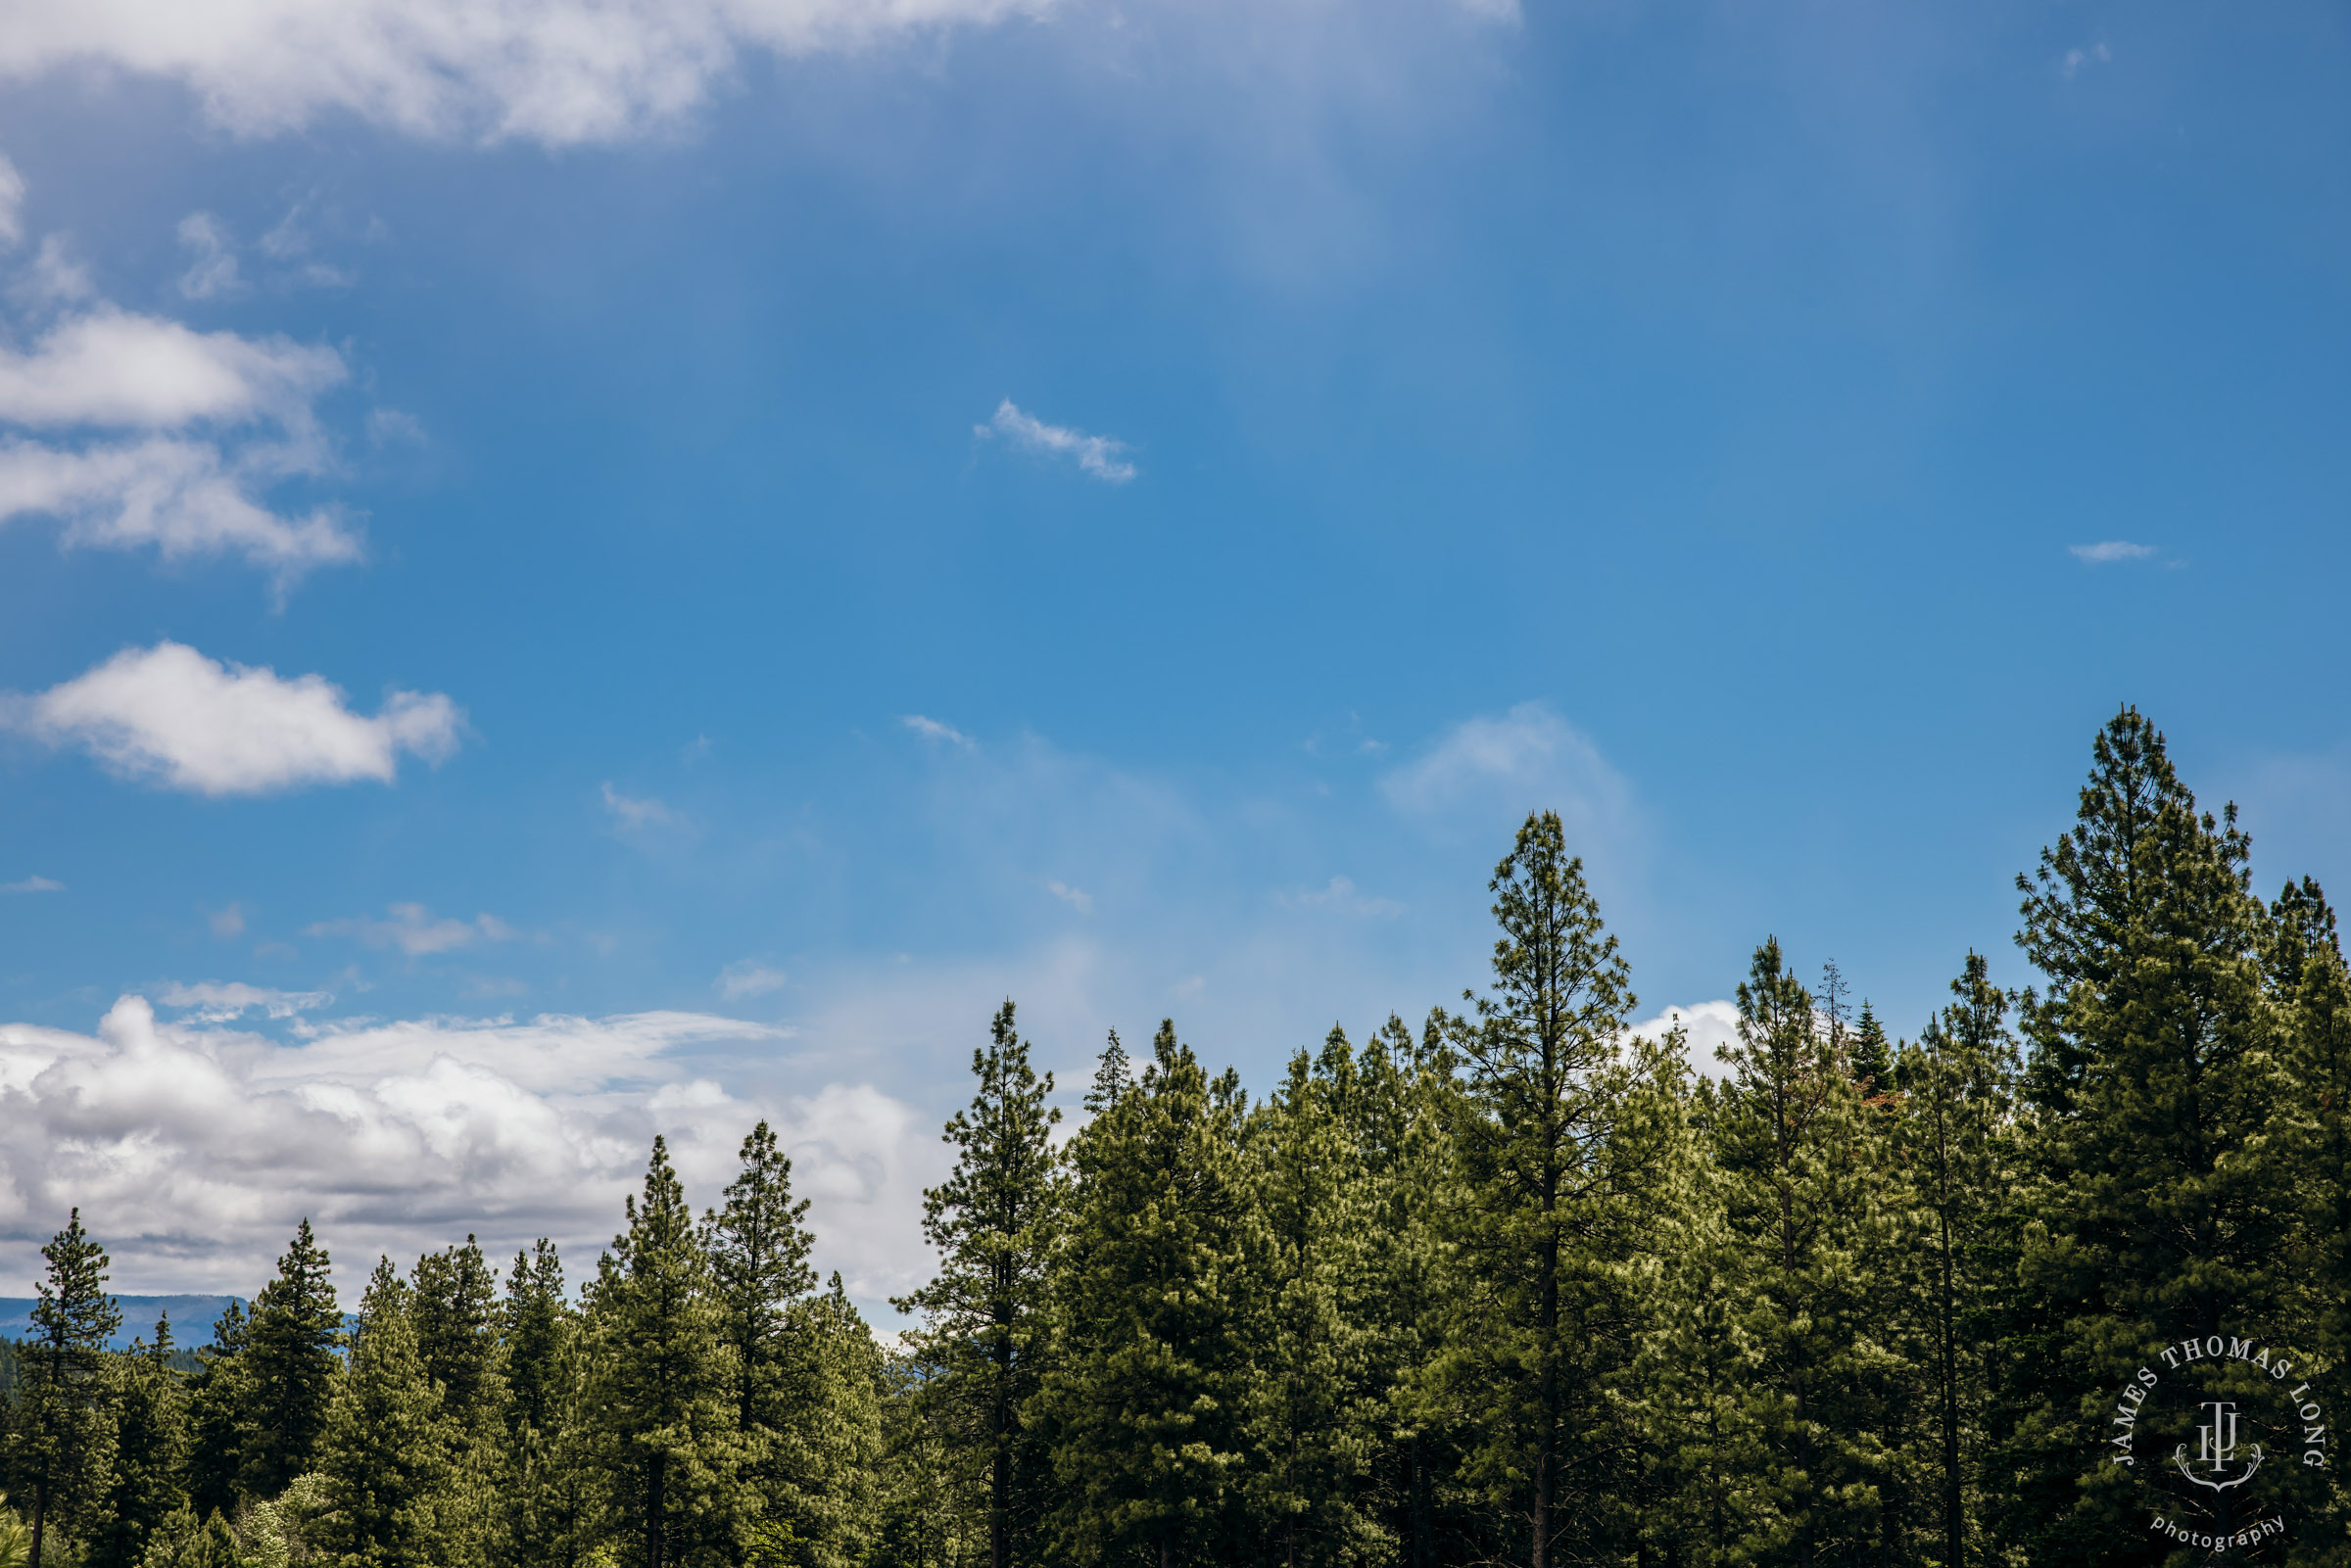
x=780 y=529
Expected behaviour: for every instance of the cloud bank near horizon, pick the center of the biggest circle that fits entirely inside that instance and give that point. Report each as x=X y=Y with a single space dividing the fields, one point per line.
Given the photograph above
x=193 y=1148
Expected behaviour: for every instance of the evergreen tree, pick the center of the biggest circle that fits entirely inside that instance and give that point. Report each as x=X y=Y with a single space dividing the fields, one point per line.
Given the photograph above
x=837 y=1433
x=758 y=1249
x=659 y=1379
x=146 y=1484
x=384 y=1456
x=986 y=1313
x=1551 y=1195
x=1142 y=1400
x=1311 y=1422
x=58 y=1435
x=452 y=1305
x=1871 y=1053
x=217 y=1406
x=2168 y=1211
x=288 y=1366
x=1960 y=1083
x=549 y=1479
x=1806 y=1207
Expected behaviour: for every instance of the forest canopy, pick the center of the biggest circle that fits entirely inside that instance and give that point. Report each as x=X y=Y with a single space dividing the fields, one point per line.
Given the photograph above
x=1504 y=1285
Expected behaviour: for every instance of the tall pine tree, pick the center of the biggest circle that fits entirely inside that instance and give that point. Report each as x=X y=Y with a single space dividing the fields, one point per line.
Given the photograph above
x=985 y=1312
x=58 y=1432
x=288 y=1368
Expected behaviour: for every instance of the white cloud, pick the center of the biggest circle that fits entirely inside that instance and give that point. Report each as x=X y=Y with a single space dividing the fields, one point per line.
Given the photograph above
x=1078 y=899
x=1710 y=1026
x=32 y=885
x=193 y=1150
x=2108 y=551
x=170 y=715
x=1529 y=759
x=1097 y=456
x=1343 y=896
x=211 y=258
x=748 y=978
x=2076 y=59
x=227 y=922
x=413 y=929
x=114 y=368
x=184 y=498
x=214 y=1002
x=932 y=730
x=548 y=71
x=198 y=425
x=12 y=204
x=631 y=813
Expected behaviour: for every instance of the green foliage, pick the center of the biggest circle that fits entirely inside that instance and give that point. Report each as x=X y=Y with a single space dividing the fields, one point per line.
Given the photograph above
x=287 y=1369
x=986 y=1316
x=1518 y=1288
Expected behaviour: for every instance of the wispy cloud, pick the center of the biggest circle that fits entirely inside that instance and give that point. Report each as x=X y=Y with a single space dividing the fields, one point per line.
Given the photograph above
x=2108 y=551
x=2076 y=59
x=1344 y=897
x=169 y=715
x=215 y=1002
x=932 y=730
x=1078 y=899
x=748 y=978
x=12 y=204
x=227 y=922
x=1097 y=456
x=634 y=813
x=32 y=885
x=211 y=259
x=412 y=928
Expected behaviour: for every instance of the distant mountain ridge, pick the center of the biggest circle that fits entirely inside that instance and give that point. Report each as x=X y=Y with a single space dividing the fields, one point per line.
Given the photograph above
x=192 y=1317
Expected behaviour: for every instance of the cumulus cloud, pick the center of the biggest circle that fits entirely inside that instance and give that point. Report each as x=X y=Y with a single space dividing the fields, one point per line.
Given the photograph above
x=932 y=730
x=555 y=71
x=32 y=885
x=1097 y=456
x=413 y=929
x=214 y=1002
x=748 y=978
x=169 y=715
x=152 y=435
x=193 y=1147
x=2108 y=551
x=1710 y=1026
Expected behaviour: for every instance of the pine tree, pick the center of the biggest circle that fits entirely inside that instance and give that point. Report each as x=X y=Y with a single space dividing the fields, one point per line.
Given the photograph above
x=1871 y=1053
x=1960 y=1083
x=216 y=1407
x=288 y=1366
x=660 y=1383
x=2168 y=1209
x=985 y=1312
x=384 y=1456
x=147 y=1484
x=549 y=1476
x=59 y=1433
x=1142 y=1402
x=1551 y=1193
x=1311 y=1427
x=838 y=1432
x=758 y=1250
x=1805 y=1183
x=453 y=1304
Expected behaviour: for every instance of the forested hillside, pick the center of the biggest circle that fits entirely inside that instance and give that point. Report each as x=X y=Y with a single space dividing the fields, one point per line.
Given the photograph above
x=1499 y=1286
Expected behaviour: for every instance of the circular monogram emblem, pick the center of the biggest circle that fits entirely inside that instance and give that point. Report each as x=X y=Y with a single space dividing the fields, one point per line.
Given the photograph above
x=2222 y=1441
